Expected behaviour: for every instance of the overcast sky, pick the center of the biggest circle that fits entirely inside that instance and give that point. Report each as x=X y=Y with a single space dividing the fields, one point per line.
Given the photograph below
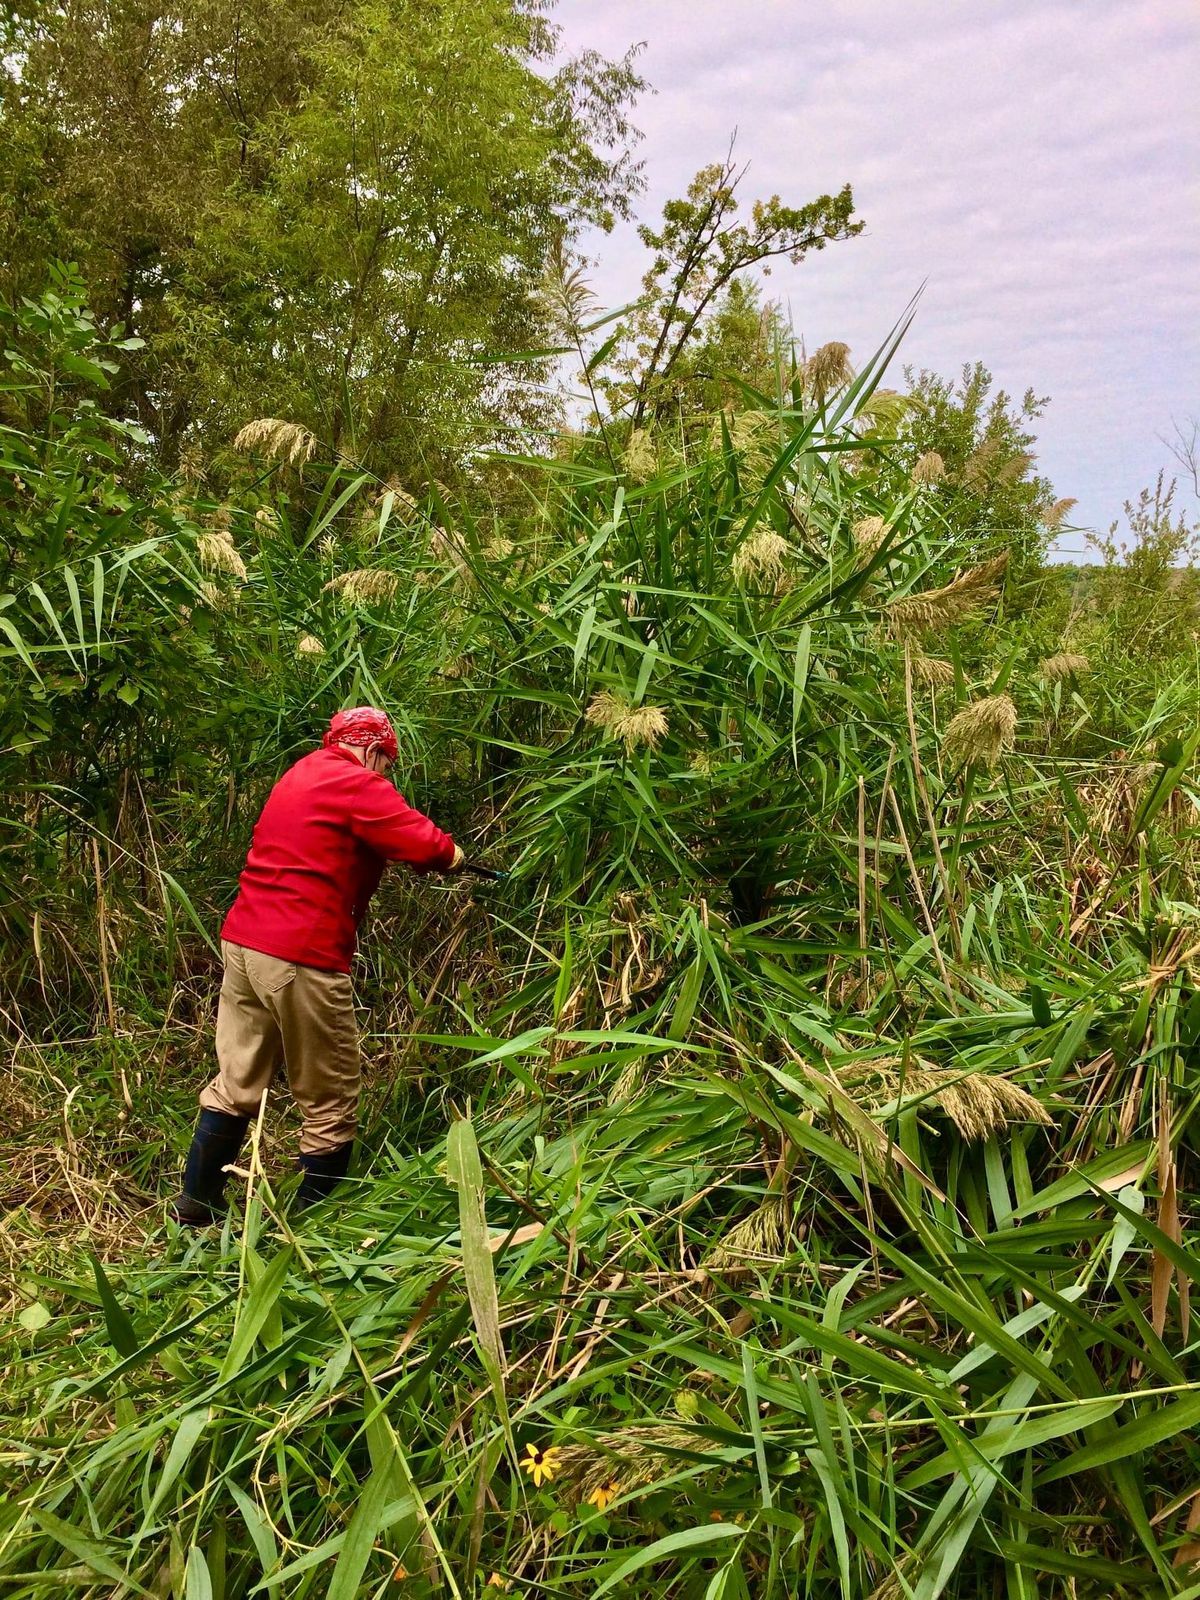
x=1035 y=162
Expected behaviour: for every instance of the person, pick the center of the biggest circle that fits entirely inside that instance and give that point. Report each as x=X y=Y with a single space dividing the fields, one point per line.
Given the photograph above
x=320 y=846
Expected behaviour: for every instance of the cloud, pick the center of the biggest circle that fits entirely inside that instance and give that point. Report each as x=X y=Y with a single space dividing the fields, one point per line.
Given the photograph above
x=1033 y=162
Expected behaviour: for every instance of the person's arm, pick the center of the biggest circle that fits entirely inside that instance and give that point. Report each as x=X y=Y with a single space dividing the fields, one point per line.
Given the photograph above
x=384 y=820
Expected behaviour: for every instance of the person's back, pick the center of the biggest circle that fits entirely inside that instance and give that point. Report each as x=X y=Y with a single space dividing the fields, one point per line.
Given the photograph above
x=329 y=827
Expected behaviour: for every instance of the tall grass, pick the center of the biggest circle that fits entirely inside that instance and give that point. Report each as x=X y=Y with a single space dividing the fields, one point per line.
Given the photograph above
x=787 y=1163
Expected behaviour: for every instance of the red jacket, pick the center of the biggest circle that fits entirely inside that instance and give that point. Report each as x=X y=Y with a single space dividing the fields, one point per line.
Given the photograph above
x=320 y=846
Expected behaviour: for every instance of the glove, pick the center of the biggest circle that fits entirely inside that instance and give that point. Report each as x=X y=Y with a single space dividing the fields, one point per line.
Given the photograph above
x=456 y=861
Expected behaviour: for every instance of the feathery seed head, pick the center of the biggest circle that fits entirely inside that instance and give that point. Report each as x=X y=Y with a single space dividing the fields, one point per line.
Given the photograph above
x=933 y=672
x=828 y=368
x=929 y=468
x=760 y=556
x=980 y=1104
x=1067 y=664
x=364 y=586
x=981 y=732
x=640 y=459
x=266 y=518
x=217 y=553
x=634 y=725
x=277 y=440
x=868 y=534
x=883 y=409
x=935 y=610
x=1054 y=517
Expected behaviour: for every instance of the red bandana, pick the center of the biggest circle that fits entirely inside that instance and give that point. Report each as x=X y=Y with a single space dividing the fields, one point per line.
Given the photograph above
x=362 y=725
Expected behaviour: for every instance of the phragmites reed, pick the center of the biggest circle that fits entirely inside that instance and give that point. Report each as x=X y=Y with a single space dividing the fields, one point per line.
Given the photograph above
x=759 y=1239
x=929 y=468
x=402 y=501
x=760 y=556
x=828 y=368
x=498 y=548
x=309 y=645
x=215 y=597
x=1015 y=468
x=216 y=551
x=633 y=725
x=883 y=409
x=277 y=440
x=980 y=467
x=266 y=517
x=935 y=610
x=615 y=1463
x=932 y=671
x=640 y=458
x=979 y=1104
x=565 y=294
x=1054 y=517
x=364 y=586
x=1067 y=664
x=868 y=534
x=980 y=733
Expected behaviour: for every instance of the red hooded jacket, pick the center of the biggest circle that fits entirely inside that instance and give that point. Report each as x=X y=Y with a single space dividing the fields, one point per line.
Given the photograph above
x=319 y=849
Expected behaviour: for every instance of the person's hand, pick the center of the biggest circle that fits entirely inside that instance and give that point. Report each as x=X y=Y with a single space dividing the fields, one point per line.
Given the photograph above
x=457 y=860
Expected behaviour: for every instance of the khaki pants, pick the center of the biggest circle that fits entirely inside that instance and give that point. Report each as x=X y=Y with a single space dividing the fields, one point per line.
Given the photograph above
x=274 y=1012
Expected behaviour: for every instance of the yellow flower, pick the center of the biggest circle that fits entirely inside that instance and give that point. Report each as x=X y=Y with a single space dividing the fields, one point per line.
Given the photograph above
x=600 y=1497
x=540 y=1464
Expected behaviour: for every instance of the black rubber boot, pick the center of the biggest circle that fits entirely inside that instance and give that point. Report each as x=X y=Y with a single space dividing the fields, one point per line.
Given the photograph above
x=215 y=1144
x=323 y=1170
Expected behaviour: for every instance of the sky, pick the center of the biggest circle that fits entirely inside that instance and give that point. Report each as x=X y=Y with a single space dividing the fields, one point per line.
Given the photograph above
x=1034 y=163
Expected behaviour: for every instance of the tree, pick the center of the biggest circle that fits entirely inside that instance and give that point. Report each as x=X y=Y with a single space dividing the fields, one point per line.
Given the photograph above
x=699 y=252
x=328 y=212
x=976 y=449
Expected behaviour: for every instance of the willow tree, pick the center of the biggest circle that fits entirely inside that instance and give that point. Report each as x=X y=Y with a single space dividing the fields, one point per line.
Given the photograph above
x=327 y=212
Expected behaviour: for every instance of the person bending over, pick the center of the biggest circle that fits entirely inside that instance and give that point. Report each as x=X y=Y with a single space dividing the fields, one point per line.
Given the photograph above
x=329 y=827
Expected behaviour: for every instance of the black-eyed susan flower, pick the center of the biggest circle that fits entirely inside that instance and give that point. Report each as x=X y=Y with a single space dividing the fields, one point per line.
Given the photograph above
x=541 y=1465
x=602 y=1494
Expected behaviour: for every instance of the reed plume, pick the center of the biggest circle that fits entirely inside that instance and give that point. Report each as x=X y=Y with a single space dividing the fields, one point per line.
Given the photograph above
x=1067 y=664
x=935 y=610
x=216 y=550
x=277 y=440
x=828 y=368
x=759 y=556
x=979 y=1104
x=364 y=586
x=633 y=725
x=929 y=468
x=933 y=671
x=640 y=458
x=1054 y=517
x=980 y=733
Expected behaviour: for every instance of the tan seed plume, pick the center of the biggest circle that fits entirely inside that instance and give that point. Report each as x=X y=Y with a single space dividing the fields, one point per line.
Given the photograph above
x=933 y=672
x=980 y=1104
x=640 y=459
x=828 y=368
x=929 y=468
x=938 y=609
x=760 y=556
x=868 y=534
x=1054 y=517
x=980 y=733
x=216 y=551
x=277 y=440
x=309 y=645
x=364 y=586
x=1064 y=665
x=633 y=725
